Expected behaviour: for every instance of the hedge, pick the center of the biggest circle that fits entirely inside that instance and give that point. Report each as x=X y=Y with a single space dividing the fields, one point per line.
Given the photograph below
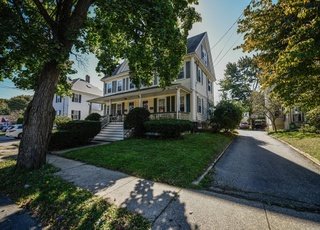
x=74 y=133
x=135 y=119
x=168 y=128
x=93 y=117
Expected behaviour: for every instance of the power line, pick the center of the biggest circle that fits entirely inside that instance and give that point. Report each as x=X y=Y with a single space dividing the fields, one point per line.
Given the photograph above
x=225 y=44
x=228 y=51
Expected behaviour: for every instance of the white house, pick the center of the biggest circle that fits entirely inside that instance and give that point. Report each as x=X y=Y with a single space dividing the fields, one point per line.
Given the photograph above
x=77 y=106
x=189 y=97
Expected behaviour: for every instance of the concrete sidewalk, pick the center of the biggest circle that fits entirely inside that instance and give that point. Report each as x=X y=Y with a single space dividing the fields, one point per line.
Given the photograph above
x=169 y=207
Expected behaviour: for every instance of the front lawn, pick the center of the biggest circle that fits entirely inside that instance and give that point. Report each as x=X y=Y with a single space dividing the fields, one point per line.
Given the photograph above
x=61 y=205
x=176 y=162
x=307 y=142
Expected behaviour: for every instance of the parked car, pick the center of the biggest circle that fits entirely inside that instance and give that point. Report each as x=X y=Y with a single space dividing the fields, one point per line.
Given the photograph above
x=6 y=127
x=258 y=124
x=244 y=125
x=15 y=131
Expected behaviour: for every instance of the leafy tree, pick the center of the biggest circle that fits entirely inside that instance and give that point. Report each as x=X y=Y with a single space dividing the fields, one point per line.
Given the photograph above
x=4 y=109
x=93 y=117
x=37 y=38
x=227 y=115
x=267 y=104
x=240 y=80
x=285 y=38
x=19 y=103
x=313 y=117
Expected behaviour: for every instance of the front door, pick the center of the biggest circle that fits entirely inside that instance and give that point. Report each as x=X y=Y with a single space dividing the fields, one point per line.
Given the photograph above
x=113 y=109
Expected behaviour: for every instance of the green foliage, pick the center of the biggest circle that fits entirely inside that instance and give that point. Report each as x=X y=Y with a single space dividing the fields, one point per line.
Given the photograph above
x=16 y=104
x=62 y=205
x=74 y=133
x=135 y=119
x=4 y=109
x=60 y=121
x=306 y=128
x=285 y=38
x=226 y=115
x=20 y=120
x=240 y=80
x=313 y=117
x=93 y=117
x=168 y=128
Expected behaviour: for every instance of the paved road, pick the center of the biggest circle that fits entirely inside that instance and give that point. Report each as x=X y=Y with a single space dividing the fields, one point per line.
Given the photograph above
x=7 y=140
x=259 y=167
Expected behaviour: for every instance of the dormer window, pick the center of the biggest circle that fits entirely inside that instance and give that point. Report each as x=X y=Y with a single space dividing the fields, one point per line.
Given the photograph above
x=119 y=85
x=109 y=88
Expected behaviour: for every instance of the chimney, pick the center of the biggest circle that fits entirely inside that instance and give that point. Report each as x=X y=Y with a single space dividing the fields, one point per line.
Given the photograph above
x=88 y=78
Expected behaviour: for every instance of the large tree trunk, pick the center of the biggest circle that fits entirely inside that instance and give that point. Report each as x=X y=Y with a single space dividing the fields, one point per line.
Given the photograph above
x=38 y=120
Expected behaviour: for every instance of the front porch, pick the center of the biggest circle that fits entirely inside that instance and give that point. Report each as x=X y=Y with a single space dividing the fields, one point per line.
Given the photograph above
x=171 y=103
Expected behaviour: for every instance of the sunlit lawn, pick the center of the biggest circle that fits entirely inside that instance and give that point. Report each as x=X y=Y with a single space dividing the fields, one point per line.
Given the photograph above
x=176 y=162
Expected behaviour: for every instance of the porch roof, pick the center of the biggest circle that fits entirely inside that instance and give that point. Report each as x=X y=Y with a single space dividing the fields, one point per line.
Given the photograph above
x=146 y=92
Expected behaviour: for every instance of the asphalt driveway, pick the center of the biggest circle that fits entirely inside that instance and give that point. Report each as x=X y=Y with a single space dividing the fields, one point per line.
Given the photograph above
x=258 y=167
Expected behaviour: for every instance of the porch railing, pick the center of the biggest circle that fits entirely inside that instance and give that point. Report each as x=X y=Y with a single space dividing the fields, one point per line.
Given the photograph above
x=170 y=115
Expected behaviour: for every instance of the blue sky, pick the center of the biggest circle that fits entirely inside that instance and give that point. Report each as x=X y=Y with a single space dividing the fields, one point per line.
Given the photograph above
x=217 y=18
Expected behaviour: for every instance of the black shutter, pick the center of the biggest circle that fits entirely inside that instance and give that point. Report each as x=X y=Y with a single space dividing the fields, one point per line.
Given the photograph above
x=72 y=97
x=188 y=103
x=123 y=106
x=80 y=113
x=127 y=83
x=173 y=107
x=168 y=104
x=79 y=98
x=187 y=69
x=155 y=106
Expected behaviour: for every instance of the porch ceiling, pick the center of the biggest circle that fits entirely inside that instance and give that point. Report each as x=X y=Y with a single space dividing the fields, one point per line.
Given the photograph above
x=147 y=92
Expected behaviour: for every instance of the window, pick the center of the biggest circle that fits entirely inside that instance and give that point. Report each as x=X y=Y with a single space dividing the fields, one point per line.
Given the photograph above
x=181 y=74
x=131 y=106
x=58 y=99
x=131 y=85
x=145 y=104
x=198 y=74
x=161 y=105
x=75 y=114
x=109 y=89
x=119 y=85
x=187 y=69
x=76 y=97
x=58 y=112
x=118 y=109
x=204 y=55
x=209 y=85
x=199 y=104
x=155 y=79
x=182 y=104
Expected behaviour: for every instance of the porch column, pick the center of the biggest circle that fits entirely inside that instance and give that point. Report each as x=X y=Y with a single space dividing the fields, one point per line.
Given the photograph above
x=140 y=101
x=178 y=102
x=90 y=107
x=193 y=99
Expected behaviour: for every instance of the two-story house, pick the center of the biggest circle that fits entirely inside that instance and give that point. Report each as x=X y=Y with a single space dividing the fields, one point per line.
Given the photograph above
x=77 y=106
x=188 y=97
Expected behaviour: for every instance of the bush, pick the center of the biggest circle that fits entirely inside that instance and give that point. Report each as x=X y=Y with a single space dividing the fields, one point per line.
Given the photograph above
x=226 y=116
x=20 y=120
x=306 y=128
x=93 y=117
x=135 y=119
x=168 y=128
x=74 y=133
x=313 y=117
x=61 y=120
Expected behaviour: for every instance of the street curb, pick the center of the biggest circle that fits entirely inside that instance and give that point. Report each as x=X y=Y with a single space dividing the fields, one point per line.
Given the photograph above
x=306 y=155
x=197 y=181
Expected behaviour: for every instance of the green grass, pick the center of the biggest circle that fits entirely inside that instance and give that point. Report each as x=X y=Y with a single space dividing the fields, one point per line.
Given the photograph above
x=176 y=162
x=61 y=205
x=2 y=133
x=307 y=142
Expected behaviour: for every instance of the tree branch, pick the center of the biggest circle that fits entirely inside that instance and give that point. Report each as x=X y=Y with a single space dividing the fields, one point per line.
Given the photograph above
x=45 y=14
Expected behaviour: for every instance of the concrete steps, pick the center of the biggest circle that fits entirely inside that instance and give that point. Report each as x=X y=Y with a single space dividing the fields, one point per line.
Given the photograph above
x=114 y=131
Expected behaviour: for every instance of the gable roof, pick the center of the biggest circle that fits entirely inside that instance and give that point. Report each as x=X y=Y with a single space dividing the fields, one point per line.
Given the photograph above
x=192 y=44
x=81 y=85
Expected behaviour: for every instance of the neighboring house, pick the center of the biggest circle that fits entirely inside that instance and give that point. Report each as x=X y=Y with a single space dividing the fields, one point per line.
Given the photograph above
x=77 y=106
x=189 y=97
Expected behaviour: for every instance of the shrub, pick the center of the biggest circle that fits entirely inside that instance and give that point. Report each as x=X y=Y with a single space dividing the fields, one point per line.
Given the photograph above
x=135 y=119
x=61 y=120
x=93 y=117
x=20 y=120
x=313 y=117
x=74 y=133
x=168 y=128
x=306 y=128
x=226 y=116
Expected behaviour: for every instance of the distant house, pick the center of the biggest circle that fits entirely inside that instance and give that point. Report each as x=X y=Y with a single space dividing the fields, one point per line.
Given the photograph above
x=189 y=97
x=77 y=106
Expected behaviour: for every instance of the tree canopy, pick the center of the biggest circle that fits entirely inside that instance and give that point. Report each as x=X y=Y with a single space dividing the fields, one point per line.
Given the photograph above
x=240 y=80
x=15 y=104
x=285 y=38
